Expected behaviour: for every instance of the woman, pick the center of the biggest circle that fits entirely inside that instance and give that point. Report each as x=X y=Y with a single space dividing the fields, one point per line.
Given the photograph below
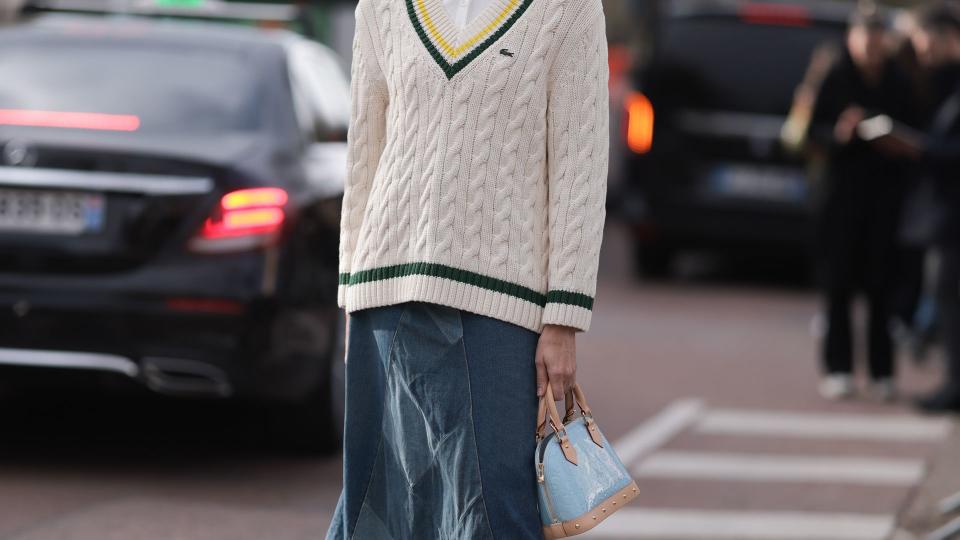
x=472 y=222
x=861 y=203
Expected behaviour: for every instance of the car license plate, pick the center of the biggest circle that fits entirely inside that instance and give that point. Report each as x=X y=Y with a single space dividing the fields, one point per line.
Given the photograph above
x=764 y=183
x=51 y=212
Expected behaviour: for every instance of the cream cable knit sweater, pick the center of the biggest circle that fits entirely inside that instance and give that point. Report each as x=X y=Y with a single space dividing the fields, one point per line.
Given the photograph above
x=477 y=159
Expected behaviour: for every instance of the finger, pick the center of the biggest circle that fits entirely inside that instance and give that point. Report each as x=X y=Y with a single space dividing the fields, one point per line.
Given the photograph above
x=558 y=383
x=541 y=376
x=571 y=379
x=571 y=373
x=567 y=382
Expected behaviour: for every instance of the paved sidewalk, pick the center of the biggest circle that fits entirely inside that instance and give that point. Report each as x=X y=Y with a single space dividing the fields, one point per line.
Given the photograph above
x=922 y=516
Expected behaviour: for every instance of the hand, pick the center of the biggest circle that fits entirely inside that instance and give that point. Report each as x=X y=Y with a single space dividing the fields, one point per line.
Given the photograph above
x=556 y=360
x=847 y=124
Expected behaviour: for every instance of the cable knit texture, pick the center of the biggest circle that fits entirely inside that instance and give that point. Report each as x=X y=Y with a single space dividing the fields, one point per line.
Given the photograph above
x=477 y=159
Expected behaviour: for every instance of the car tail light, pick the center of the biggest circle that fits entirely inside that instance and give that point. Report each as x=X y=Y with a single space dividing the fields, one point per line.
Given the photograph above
x=69 y=120
x=244 y=219
x=639 y=122
x=775 y=14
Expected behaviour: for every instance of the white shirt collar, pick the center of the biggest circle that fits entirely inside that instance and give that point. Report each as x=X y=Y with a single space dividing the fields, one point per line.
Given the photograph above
x=462 y=12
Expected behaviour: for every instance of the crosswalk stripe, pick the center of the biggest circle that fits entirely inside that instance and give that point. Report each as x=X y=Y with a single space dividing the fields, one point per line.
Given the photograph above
x=659 y=430
x=899 y=428
x=767 y=468
x=947 y=532
x=640 y=523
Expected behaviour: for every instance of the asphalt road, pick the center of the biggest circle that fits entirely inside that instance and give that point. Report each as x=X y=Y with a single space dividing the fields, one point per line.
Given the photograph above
x=707 y=385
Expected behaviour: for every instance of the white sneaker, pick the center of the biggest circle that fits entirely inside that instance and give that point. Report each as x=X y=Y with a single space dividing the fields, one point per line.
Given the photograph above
x=836 y=387
x=884 y=390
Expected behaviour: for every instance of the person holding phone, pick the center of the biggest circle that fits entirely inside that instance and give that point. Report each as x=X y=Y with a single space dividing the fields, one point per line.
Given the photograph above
x=858 y=214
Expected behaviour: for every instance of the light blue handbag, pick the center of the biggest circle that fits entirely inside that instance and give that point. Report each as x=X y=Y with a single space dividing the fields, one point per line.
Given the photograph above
x=580 y=479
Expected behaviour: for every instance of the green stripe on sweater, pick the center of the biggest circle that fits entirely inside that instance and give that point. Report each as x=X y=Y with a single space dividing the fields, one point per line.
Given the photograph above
x=470 y=278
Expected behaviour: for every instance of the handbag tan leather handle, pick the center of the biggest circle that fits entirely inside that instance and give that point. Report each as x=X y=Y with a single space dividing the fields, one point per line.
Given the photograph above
x=576 y=398
x=548 y=411
x=573 y=398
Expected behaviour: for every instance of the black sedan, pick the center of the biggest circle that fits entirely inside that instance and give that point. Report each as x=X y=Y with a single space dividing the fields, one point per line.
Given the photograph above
x=169 y=206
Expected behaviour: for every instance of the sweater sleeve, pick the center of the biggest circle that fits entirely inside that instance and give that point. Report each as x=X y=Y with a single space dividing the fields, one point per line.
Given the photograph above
x=578 y=157
x=365 y=140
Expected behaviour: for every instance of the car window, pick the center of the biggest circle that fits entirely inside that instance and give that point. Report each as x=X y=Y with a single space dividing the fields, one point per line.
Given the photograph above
x=169 y=90
x=323 y=92
x=728 y=64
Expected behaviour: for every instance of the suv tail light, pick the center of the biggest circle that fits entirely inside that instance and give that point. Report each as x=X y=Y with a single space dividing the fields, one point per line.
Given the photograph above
x=244 y=219
x=775 y=14
x=639 y=122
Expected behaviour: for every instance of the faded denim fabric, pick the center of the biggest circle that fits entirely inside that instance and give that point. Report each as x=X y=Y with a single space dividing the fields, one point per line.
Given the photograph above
x=441 y=415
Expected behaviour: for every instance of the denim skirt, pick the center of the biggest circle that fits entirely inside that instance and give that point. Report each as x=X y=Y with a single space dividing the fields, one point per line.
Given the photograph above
x=439 y=438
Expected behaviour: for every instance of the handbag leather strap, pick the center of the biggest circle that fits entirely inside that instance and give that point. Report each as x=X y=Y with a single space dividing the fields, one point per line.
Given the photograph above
x=576 y=398
x=548 y=412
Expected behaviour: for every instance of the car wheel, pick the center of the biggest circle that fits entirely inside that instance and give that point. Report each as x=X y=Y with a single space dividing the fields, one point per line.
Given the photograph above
x=315 y=424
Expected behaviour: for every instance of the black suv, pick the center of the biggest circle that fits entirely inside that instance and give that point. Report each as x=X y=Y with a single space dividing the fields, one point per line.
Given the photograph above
x=705 y=167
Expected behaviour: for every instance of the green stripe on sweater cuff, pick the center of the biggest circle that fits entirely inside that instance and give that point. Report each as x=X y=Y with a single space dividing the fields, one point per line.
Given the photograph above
x=470 y=278
x=572 y=298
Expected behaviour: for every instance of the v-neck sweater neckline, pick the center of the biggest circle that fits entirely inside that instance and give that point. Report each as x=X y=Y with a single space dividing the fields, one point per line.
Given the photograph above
x=452 y=48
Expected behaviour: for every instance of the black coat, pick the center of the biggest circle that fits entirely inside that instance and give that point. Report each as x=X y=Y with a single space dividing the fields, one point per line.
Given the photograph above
x=861 y=197
x=858 y=169
x=942 y=157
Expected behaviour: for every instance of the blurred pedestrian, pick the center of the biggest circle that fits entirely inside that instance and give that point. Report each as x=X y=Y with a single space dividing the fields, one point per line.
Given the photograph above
x=860 y=203
x=914 y=298
x=937 y=44
x=472 y=220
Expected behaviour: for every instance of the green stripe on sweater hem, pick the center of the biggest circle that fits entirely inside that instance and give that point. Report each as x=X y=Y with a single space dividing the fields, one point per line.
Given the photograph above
x=452 y=69
x=470 y=278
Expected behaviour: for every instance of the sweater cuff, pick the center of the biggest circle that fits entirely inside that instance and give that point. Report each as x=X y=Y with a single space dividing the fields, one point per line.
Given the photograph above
x=567 y=315
x=342 y=296
x=342 y=286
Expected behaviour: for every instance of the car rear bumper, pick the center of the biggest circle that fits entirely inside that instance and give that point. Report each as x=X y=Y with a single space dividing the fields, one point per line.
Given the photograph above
x=690 y=207
x=700 y=225
x=214 y=333
x=167 y=376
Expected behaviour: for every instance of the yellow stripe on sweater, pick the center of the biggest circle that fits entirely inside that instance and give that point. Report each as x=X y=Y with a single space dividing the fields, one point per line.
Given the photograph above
x=457 y=51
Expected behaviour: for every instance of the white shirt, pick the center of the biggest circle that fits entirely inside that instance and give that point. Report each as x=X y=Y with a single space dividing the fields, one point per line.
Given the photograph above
x=464 y=11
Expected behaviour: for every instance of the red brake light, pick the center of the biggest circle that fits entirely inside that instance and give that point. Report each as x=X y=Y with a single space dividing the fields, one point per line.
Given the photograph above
x=69 y=120
x=640 y=119
x=775 y=14
x=244 y=219
x=244 y=222
x=251 y=198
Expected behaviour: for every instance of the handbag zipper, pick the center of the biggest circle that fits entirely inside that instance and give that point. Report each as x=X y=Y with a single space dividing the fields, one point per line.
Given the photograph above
x=541 y=477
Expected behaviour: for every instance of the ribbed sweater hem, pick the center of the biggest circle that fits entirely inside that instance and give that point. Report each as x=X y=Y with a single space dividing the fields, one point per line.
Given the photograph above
x=455 y=294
